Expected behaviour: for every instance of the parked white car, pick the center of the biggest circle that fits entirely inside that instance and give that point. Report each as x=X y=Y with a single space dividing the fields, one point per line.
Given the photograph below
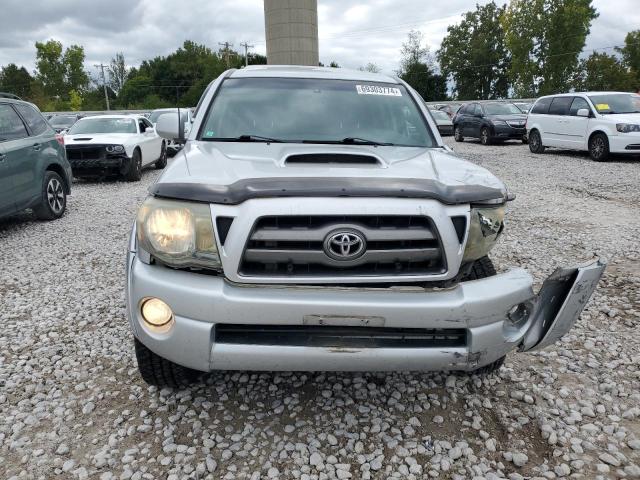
x=186 y=118
x=114 y=144
x=598 y=122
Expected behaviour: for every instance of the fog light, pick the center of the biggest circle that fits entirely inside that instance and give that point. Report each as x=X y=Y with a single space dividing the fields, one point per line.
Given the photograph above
x=156 y=313
x=519 y=314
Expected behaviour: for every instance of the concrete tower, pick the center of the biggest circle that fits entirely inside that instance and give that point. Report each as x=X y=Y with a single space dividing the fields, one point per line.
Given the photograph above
x=291 y=28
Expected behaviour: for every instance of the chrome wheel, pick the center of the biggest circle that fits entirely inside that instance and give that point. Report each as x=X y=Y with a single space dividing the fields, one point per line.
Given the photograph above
x=597 y=147
x=55 y=196
x=484 y=136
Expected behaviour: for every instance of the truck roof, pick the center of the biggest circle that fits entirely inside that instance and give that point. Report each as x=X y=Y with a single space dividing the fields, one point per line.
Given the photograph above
x=296 y=71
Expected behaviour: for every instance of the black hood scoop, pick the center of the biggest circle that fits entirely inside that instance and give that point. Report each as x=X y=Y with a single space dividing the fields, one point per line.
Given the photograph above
x=86 y=139
x=331 y=159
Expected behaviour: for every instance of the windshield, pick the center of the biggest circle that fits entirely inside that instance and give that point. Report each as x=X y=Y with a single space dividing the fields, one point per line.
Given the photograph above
x=315 y=110
x=155 y=115
x=104 y=125
x=62 y=120
x=616 y=103
x=439 y=115
x=501 y=109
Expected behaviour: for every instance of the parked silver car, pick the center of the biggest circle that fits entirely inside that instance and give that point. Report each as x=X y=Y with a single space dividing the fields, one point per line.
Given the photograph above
x=316 y=221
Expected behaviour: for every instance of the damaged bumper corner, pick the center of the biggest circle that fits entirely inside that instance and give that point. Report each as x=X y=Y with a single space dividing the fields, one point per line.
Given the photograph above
x=563 y=296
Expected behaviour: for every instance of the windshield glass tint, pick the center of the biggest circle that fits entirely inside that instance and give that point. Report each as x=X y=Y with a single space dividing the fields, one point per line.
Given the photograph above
x=439 y=115
x=294 y=109
x=104 y=125
x=501 y=109
x=62 y=120
x=616 y=103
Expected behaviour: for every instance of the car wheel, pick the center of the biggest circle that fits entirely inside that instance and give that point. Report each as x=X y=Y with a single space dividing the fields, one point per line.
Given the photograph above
x=599 y=147
x=134 y=172
x=162 y=161
x=535 y=142
x=161 y=372
x=54 y=199
x=485 y=136
x=457 y=134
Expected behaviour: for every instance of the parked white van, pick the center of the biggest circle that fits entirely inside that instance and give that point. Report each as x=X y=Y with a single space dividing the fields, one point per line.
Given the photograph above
x=599 y=122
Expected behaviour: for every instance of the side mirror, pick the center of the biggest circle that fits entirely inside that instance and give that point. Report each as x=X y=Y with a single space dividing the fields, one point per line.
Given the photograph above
x=168 y=127
x=583 y=112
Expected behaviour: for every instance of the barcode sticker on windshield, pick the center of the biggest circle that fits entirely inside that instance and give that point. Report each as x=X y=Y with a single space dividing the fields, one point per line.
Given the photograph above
x=376 y=90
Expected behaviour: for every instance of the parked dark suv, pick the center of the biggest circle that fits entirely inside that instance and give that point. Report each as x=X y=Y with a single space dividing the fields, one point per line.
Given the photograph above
x=490 y=122
x=34 y=172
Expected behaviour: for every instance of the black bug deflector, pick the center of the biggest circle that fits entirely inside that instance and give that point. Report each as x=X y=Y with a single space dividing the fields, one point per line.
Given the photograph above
x=243 y=190
x=559 y=303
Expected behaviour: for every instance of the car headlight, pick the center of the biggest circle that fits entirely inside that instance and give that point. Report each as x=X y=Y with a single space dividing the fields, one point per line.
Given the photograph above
x=627 y=127
x=115 y=148
x=179 y=234
x=485 y=227
x=499 y=122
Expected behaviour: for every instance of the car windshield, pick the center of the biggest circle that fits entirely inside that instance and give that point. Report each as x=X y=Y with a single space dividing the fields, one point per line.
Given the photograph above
x=616 y=103
x=315 y=111
x=501 y=109
x=155 y=115
x=439 y=115
x=104 y=125
x=62 y=120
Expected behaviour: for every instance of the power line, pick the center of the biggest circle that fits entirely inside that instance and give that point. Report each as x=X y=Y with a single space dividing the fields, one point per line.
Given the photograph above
x=226 y=51
x=246 y=52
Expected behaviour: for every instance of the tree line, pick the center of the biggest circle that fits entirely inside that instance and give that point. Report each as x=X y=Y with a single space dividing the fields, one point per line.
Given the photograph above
x=524 y=49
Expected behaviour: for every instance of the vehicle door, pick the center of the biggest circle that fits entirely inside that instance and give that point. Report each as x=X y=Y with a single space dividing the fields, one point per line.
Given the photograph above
x=16 y=152
x=44 y=147
x=475 y=121
x=575 y=126
x=155 y=141
x=559 y=113
x=144 y=141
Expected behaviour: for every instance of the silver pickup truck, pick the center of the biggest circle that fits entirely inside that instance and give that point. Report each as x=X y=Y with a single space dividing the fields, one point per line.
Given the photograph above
x=316 y=221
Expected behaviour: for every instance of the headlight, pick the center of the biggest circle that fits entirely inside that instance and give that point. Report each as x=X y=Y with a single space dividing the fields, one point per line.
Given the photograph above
x=499 y=122
x=485 y=227
x=115 y=148
x=177 y=233
x=627 y=127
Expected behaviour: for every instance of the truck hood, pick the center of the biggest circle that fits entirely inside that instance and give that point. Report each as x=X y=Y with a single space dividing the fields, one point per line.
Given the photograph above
x=217 y=163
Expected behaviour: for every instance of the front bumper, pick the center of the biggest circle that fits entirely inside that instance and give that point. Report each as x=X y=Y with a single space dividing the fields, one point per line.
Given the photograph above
x=625 y=143
x=508 y=132
x=498 y=314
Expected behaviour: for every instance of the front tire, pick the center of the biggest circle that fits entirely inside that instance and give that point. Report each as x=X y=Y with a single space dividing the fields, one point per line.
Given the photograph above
x=162 y=161
x=54 y=199
x=599 y=147
x=535 y=142
x=134 y=171
x=485 y=136
x=457 y=134
x=161 y=372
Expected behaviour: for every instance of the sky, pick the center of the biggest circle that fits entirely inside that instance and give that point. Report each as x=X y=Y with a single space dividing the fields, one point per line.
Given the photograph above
x=351 y=32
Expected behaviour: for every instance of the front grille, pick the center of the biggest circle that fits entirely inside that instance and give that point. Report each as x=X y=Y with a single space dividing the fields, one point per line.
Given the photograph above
x=516 y=124
x=84 y=153
x=293 y=246
x=340 y=337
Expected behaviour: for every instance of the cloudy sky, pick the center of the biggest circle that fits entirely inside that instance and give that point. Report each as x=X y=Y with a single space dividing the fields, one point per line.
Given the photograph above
x=351 y=32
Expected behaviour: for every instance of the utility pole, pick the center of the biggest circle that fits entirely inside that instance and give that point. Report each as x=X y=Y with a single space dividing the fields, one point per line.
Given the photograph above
x=226 y=46
x=104 y=84
x=246 y=52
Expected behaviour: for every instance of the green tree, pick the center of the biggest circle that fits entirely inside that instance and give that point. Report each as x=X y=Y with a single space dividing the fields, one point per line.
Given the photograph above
x=418 y=69
x=545 y=38
x=631 y=55
x=16 y=80
x=75 y=100
x=601 y=71
x=50 y=68
x=75 y=76
x=474 y=55
x=118 y=72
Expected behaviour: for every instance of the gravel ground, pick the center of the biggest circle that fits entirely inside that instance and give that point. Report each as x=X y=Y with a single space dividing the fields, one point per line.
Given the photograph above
x=73 y=406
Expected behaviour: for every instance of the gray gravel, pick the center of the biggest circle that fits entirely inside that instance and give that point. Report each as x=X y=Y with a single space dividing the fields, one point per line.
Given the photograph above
x=73 y=406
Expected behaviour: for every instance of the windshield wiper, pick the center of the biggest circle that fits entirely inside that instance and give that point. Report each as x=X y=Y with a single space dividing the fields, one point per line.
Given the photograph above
x=351 y=141
x=245 y=138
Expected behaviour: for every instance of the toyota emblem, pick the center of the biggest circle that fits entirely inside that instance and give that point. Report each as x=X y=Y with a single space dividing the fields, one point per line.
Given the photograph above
x=344 y=245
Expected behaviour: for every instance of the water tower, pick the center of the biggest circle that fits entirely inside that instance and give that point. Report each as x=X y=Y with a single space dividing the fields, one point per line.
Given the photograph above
x=291 y=30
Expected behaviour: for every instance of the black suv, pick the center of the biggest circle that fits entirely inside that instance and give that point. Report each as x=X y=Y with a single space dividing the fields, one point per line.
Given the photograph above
x=490 y=122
